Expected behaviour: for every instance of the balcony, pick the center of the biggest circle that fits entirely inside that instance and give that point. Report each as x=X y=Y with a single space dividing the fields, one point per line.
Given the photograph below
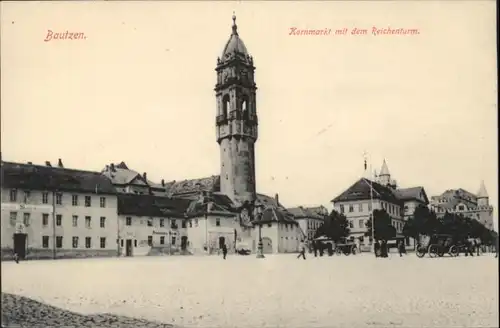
x=174 y=226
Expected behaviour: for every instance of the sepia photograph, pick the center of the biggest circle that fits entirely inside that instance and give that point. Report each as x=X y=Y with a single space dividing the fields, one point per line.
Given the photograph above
x=221 y=164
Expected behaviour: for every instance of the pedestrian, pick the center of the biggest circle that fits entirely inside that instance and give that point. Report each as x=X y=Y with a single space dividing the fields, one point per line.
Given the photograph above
x=16 y=257
x=496 y=246
x=302 y=250
x=315 y=248
x=477 y=245
x=384 y=249
x=468 y=248
x=377 y=248
x=224 y=251
x=401 y=248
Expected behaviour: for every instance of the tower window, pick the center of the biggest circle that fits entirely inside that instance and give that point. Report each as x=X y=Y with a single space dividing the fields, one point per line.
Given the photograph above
x=244 y=108
x=225 y=106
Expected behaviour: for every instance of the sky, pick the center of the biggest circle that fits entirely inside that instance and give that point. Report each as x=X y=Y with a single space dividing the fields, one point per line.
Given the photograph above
x=139 y=89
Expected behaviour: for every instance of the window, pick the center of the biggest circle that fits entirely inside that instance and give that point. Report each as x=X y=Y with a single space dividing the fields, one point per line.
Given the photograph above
x=135 y=242
x=406 y=208
x=217 y=222
x=75 y=220
x=190 y=223
x=461 y=208
x=103 y=222
x=121 y=243
x=45 y=219
x=45 y=198
x=26 y=219
x=351 y=224
x=128 y=221
x=13 y=195
x=195 y=222
x=162 y=222
x=102 y=202
x=269 y=224
x=150 y=240
x=361 y=239
x=88 y=201
x=162 y=240
x=342 y=209
x=75 y=242
x=26 y=196
x=369 y=207
x=59 y=199
x=103 y=242
x=45 y=241
x=58 y=220
x=183 y=224
x=351 y=208
x=59 y=241
x=88 y=242
x=174 y=224
x=360 y=207
x=74 y=200
x=150 y=222
x=173 y=240
x=361 y=223
x=88 y=222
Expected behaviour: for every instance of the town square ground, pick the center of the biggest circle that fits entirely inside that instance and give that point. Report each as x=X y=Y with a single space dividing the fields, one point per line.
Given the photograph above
x=278 y=291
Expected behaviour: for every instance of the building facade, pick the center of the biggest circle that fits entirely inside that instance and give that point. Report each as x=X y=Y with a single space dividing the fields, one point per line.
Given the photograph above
x=359 y=201
x=55 y=212
x=309 y=219
x=460 y=201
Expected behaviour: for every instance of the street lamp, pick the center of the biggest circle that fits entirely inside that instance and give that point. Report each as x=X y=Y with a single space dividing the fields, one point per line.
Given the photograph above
x=260 y=249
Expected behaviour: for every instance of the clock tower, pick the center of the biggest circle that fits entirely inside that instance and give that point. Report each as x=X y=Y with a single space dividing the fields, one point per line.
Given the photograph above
x=236 y=120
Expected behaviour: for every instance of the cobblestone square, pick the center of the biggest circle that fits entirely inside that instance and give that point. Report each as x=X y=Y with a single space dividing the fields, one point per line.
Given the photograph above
x=339 y=291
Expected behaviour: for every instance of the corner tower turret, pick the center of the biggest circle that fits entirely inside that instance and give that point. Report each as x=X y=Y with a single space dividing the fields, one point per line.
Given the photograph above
x=236 y=120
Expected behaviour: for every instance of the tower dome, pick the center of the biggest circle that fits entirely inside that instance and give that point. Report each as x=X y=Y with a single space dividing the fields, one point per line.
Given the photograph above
x=234 y=46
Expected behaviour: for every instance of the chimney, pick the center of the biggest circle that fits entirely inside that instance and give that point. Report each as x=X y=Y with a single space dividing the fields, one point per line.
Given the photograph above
x=276 y=197
x=162 y=182
x=59 y=163
x=112 y=166
x=47 y=163
x=145 y=176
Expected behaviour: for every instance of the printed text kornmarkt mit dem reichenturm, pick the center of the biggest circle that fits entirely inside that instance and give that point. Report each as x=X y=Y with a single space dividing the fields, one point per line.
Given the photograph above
x=294 y=31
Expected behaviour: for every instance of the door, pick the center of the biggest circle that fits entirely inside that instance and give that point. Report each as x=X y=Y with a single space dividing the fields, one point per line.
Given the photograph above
x=184 y=240
x=221 y=242
x=128 y=247
x=267 y=245
x=20 y=245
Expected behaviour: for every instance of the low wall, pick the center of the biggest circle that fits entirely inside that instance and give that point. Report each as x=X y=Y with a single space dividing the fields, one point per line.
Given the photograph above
x=44 y=253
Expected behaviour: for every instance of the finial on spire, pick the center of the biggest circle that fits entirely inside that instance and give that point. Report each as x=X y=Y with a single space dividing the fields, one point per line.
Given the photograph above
x=234 y=24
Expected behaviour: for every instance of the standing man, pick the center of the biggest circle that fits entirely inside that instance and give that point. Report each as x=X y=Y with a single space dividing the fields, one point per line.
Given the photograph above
x=302 y=250
x=224 y=251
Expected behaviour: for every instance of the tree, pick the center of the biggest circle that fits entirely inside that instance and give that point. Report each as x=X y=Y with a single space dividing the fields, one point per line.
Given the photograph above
x=384 y=230
x=424 y=221
x=335 y=227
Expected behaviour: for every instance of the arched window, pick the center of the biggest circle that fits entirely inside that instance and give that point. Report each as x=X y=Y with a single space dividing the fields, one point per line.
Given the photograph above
x=244 y=107
x=225 y=106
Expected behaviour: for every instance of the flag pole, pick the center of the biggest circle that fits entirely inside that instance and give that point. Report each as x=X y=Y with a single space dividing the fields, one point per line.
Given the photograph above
x=371 y=177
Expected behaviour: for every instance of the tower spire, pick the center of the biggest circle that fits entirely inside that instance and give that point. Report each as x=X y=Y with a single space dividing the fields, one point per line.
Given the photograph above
x=482 y=193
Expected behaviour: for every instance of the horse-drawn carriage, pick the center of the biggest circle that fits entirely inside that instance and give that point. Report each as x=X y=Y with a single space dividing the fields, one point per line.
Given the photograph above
x=346 y=247
x=439 y=245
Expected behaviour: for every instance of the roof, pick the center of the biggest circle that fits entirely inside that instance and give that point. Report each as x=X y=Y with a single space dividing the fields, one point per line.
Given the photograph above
x=360 y=190
x=384 y=170
x=413 y=193
x=275 y=214
x=212 y=203
x=194 y=186
x=153 y=206
x=39 y=177
x=301 y=212
x=482 y=193
x=235 y=44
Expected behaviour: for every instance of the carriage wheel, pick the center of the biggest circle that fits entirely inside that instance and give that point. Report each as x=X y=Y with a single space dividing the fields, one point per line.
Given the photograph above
x=338 y=251
x=347 y=252
x=453 y=251
x=420 y=251
x=433 y=251
x=354 y=250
